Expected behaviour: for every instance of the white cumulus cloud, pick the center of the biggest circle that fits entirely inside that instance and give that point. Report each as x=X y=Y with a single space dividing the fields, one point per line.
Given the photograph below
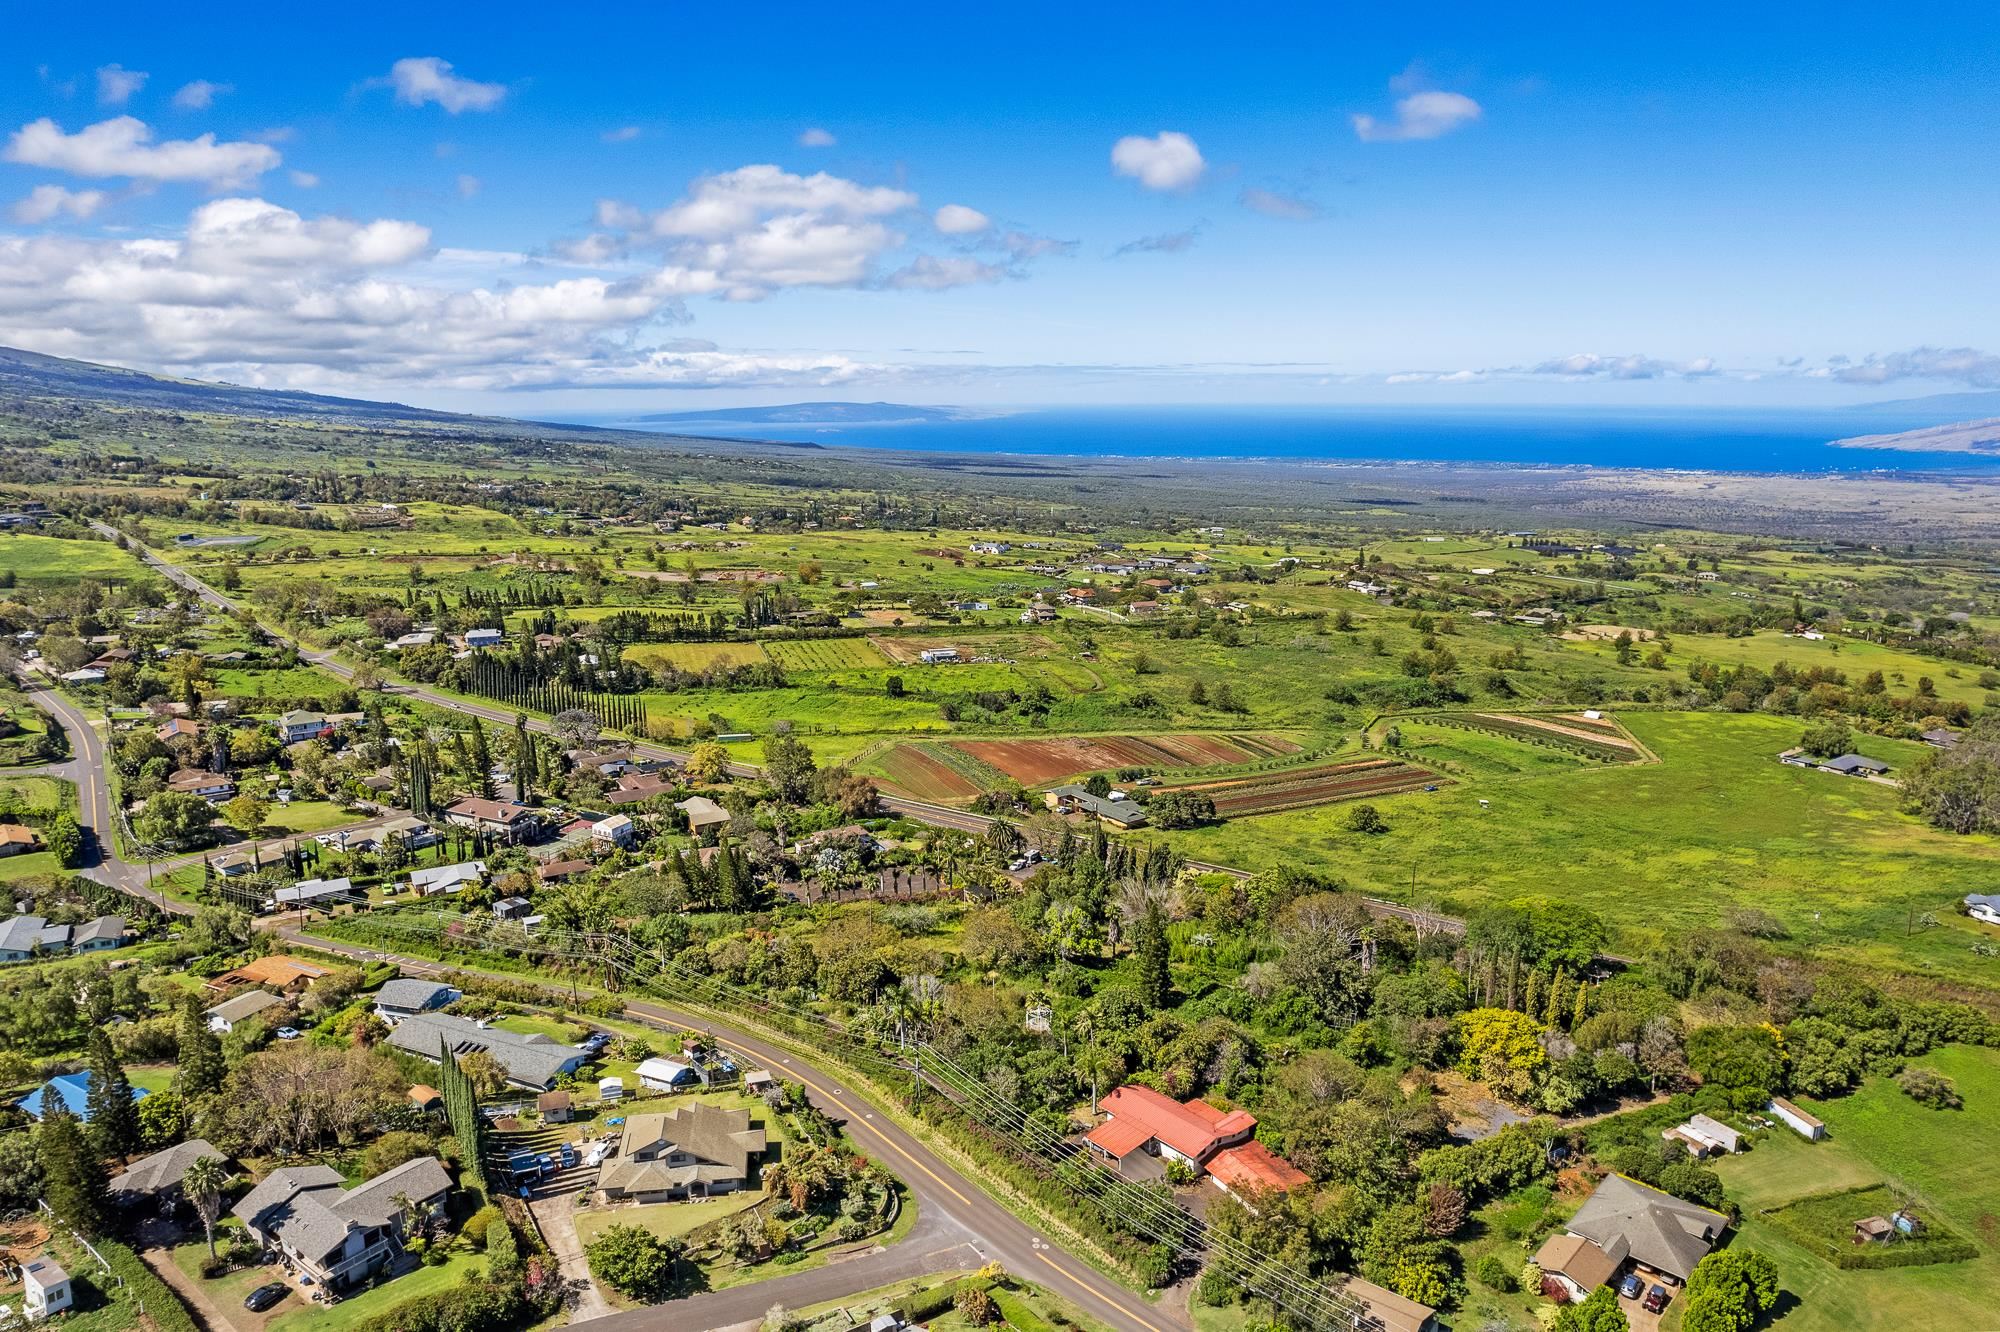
x=116 y=84
x=1422 y=115
x=200 y=95
x=468 y=185
x=46 y=201
x=421 y=79
x=305 y=180
x=959 y=220
x=817 y=138
x=123 y=146
x=1167 y=161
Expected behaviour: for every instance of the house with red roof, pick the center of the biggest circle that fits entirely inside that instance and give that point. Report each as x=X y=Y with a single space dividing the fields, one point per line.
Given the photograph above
x=1220 y=1144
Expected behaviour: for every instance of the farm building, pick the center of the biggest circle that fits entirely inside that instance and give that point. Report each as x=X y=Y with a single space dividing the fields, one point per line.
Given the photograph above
x=1799 y=1121
x=938 y=656
x=1703 y=1136
x=1076 y=800
x=1855 y=765
x=1983 y=906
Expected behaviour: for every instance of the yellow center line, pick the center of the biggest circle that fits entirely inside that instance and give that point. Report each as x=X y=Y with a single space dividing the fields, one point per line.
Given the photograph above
x=1094 y=1294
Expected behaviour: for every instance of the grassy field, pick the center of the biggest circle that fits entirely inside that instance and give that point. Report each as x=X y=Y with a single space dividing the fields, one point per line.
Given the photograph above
x=827 y=654
x=1855 y=657
x=694 y=656
x=1715 y=825
x=1878 y=1134
x=45 y=559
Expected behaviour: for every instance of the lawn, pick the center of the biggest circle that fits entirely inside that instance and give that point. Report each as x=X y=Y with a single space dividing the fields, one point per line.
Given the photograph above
x=1879 y=1134
x=349 y=1312
x=1715 y=825
x=666 y=1220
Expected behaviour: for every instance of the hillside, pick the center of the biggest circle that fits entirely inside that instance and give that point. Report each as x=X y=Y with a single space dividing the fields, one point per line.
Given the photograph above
x=1981 y=437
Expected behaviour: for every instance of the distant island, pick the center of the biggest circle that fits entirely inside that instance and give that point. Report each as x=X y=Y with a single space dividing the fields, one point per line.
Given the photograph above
x=1980 y=437
x=818 y=413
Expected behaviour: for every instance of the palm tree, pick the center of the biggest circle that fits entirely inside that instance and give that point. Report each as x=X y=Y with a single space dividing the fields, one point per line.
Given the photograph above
x=202 y=1184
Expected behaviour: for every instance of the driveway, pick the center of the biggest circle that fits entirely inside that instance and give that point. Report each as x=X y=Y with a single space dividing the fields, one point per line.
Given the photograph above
x=555 y=1214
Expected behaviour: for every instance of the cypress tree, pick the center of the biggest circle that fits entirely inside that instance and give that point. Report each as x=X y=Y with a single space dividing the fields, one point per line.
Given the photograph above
x=114 y=1119
x=1156 y=981
x=201 y=1066
x=72 y=1174
x=481 y=758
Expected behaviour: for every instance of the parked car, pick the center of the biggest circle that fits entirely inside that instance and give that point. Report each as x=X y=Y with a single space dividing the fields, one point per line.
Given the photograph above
x=289 y=1033
x=1632 y=1287
x=265 y=1296
x=1656 y=1299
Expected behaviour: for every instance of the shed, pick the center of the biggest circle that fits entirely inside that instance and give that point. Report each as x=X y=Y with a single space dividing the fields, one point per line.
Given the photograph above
x=554 y=1107
x=1798 y=1120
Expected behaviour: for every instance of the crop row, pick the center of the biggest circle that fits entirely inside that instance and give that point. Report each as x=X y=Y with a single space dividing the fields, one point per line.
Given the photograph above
x=1529 y=733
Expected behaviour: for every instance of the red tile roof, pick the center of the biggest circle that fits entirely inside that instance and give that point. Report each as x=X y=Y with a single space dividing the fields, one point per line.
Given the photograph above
x=1194 y=1130
x=1254 y=1166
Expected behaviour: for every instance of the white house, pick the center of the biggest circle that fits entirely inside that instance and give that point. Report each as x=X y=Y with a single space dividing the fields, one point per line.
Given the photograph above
x=617 y=831
x=44 y=1288
x=299 y=725
x=87 y=675
x=483 y=638
x=1983 y=906
x=225 y=1015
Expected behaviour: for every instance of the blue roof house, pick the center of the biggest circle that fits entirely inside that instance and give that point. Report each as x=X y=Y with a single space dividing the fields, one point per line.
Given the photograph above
x=71 y=1091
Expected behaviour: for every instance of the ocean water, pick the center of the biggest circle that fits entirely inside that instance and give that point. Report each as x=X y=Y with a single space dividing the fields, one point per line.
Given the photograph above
x=1744 y=440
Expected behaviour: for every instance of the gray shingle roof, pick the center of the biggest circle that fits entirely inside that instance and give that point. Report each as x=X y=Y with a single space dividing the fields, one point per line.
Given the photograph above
x=22 y=933
x=1657 y=1228
x=104 y=927
x=151 y=1175
x=307 y=1209
x=415 y=996
x=531 y=1061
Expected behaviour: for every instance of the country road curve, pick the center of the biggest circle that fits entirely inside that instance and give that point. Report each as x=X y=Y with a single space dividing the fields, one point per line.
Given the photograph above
x=959 y=1225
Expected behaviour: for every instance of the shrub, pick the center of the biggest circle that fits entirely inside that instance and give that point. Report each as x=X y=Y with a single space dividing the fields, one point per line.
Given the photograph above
x=1493 y=1274
x=477 y=1225
x=975 y=1306
x=1928 y=1087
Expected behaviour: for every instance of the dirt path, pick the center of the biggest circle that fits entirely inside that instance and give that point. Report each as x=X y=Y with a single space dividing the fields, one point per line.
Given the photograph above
x=205 y=1309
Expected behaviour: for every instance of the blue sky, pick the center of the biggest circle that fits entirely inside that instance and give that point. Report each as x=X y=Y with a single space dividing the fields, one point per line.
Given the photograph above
x=688 y=207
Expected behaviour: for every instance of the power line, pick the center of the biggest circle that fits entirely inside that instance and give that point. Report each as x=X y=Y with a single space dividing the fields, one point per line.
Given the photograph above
x=1136 y=1209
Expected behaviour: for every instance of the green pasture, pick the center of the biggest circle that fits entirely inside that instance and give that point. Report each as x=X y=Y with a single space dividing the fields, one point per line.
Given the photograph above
x=1716 y=825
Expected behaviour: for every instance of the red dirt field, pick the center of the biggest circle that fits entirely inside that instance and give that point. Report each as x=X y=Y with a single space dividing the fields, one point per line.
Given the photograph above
x=923 y=777
x=1037 y=762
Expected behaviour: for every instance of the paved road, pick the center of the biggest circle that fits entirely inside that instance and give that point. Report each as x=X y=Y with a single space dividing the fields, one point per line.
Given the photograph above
x=959 y=1226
